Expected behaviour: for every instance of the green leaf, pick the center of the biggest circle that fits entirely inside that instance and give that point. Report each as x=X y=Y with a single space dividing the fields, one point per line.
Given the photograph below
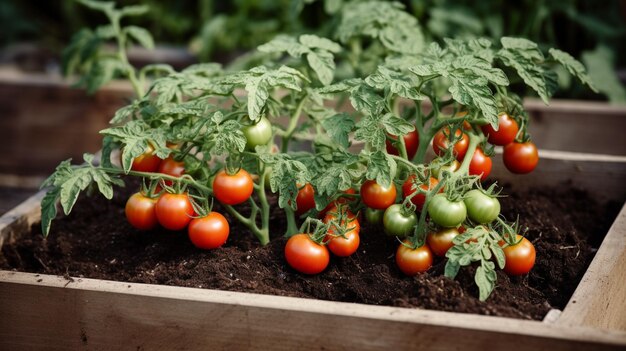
x=338 y=128
x=382 y=168
x=136 y=136
x=498 y=253
x=485 y=279
x=451 y=269
x=602 y=72
x=369 y=130
x=528 y=70
x=323 y=64
x=106 y=32
x=103 y=6
x=398 y=83
x=259 y=82
x=227 y=136
x=49 y=209
x=141 y=35
x=573 y=66
x=122 y=114
x=366 y=100
x=474 y=91
x=102 y=71
x=395 y=125
x=286 y=174
x=315 y=42
x=481 y=68
x=134 y=10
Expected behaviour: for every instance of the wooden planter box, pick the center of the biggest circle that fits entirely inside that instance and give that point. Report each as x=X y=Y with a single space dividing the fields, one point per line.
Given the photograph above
x=43 y=311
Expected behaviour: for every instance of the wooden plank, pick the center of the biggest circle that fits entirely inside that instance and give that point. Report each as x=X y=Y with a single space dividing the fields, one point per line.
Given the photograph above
x=110 y=315
x=19 y=220
x=599 y=300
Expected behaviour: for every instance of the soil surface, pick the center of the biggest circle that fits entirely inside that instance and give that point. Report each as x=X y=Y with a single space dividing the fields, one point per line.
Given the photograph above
x=565 y=224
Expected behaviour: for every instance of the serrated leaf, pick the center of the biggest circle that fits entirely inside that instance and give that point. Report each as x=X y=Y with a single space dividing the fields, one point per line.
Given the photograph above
x=395 y=125
x=323 y=65
x=474 y=91
x=369 y=130
x=573 y=66
x=518 y=43
x=601 y=70
x=136 y=136
x=452 y=269
x=49 y=209
x=106 y=32
x=134 y=10
x=260 y=80
x=382 y=168
x=122 y=114
x=398 y=83
x=103 y=6
x=485 y=279
x=481 y=68
x=366 y=100
x=338 y=128
x=102 y=71
x=141 y=35
x=340 y=87
x=315 y=42
x=227 y=137
x=403 y=39
x=498 y=253
x=528 y=70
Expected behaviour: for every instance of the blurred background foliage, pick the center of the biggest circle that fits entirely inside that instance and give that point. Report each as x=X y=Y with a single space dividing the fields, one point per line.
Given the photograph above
x=593 y=31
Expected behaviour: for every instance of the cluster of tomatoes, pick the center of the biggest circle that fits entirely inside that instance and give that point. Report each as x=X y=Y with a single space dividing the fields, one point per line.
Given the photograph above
x=175 y=211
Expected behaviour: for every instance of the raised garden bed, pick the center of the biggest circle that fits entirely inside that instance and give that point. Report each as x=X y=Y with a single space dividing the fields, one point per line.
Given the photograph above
x=105 y=314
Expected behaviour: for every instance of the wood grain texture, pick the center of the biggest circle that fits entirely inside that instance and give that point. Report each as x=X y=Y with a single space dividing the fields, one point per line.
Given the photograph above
x=112 y=315
x=600 y=299
x=19 y=220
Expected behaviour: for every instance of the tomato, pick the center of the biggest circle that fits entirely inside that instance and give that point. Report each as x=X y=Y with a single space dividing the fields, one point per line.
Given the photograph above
x=305 y=255
x=232 y=189
x=398 y=222
x=481 y=208
x=376 y=196
x=140 y=212
x=480 y=165
x=146 y=162
x=506 y=133
x=446 y=213
x=419 y=199
x=438 y=170
x=305 y=199
x=411 y=142
x=257 y=134
x=348 y=219
x=520 y=258
x=343 y=246
x=413 y=261
x=174 y=211
x=340 y=200
x=441 y=143
x=373 y=217
x=172 y=168
x=520 y=158
x=209 y=232
x=441 y=241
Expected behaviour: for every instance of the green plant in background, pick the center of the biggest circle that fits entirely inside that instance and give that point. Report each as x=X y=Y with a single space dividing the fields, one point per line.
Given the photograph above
x=205 y=134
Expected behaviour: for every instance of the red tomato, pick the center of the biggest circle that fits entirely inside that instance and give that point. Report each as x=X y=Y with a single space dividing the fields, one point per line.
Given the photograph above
x=305 y=255
x=507 y=130
x=172 y=168
x=520 y=158
x=340 y=246
x=305 y=199
x=340 y=200
x=376 y=196
x=411 y=142
x=232 y=189
x=147 y=162
x=413 y=261
x=140 y=211
x=174 y=211
x=419 y=199
x=348 y=219
x=480 y=165
x=441 y=241
x=441 y=143
x=520 y=258
x=208 y=232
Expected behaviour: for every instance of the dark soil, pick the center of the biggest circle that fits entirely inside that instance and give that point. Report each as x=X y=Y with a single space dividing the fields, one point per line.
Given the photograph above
x=565 y=224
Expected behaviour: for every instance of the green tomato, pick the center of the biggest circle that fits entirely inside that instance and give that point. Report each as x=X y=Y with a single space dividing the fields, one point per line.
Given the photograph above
x=481 y=208
x=437 y=170
x=258 y=134
x=374 y=217
x=398 y=222
x=446 y=213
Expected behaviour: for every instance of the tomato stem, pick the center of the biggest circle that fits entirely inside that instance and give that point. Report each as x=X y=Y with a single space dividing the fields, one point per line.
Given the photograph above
x=293 y=123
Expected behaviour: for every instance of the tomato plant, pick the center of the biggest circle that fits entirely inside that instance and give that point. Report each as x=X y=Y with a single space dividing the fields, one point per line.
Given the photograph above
x=147 y=162
x=506 y=133
x=413 y=261
x=374 y=217
x=520 y=157
x=174 y=211
x=232 y=189
x=343 y=245
x=305 y=255
x=377 y=196
x=209 y=232
x=520 y=257
x=398 y=221
x=330 y=131
x=140 y=211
